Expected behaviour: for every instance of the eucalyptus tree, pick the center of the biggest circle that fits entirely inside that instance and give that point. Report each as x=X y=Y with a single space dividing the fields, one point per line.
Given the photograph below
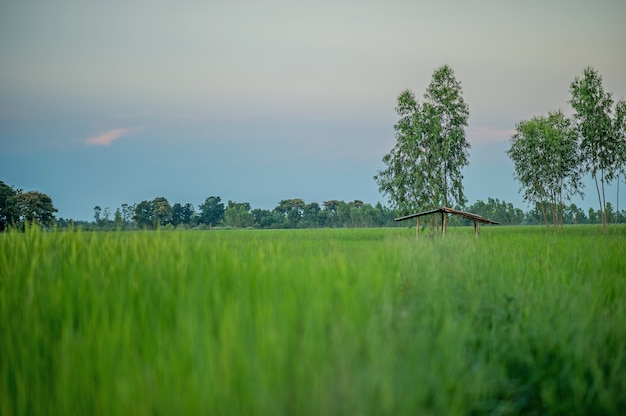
x=423 y=170
x=619 y=129
x=545 y=155
x=597 y=130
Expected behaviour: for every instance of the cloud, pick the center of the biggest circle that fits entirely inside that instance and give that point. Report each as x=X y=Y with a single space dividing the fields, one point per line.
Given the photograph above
x=106 y=138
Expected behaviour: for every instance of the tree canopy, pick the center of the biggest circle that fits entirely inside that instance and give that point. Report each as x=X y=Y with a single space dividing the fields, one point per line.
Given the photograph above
x=424 y=168
x=9 y=214
x=212 y=210
x=600 y=126
x=19 y=208
x=545 y=155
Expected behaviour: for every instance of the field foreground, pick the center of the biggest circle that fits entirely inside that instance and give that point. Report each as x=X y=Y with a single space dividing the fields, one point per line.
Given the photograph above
x=321 y=322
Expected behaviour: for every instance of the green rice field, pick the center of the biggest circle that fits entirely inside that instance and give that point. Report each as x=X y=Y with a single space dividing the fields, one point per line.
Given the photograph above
x=313 y=322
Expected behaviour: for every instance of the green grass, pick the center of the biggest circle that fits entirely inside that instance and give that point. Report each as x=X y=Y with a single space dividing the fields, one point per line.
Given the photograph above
x=298 y=322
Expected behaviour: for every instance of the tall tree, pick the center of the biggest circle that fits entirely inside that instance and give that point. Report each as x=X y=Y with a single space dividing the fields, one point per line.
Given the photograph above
x=593 y=108
x=35 y=208
x=545 y=156
x=619 y=130
x=447 y=115
x=97 y=210
x=424 y=168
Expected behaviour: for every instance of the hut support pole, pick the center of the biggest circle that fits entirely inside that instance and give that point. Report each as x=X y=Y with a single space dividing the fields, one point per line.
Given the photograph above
x=443 y=223
x=417 y=227
x=476 y=228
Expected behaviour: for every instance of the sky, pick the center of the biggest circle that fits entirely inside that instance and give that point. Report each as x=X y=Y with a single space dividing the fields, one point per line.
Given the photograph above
x=106 y=103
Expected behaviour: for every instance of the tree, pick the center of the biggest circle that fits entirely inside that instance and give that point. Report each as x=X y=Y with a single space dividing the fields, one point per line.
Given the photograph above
x=9 y=214
x=610 y=215
x=619 y=130
x=177 y=214
x=500 y=211
x=117 y=219
x=311 y=215
x=264 y=218
x=97 y=211
x=330 y=212
x=424 y=168
x=161 y=211
x=545 y=156
x=35 y=208
x=597 y=130
x=143 y=214
x=291 y=210
x=107 y=216
x=127 y=213
x=212 y=211
x=182 y=214
x=237 y=214
x=574 y=215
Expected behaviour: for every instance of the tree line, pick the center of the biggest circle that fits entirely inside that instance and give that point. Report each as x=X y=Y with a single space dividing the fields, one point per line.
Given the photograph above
x=296 y=213
x=18 y=208
x=289 y=213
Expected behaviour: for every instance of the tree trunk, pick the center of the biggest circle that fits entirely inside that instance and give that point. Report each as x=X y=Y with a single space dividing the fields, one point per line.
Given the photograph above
x=603 y=203
x=561 y=204
x=545 y=215
x=617 y=203
x=595 y=178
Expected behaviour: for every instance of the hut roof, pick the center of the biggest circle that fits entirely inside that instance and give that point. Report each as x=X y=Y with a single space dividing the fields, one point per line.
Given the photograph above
x=468 y=215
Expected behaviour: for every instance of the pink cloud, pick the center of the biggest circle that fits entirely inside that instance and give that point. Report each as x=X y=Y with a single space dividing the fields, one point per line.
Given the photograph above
x=106 y=138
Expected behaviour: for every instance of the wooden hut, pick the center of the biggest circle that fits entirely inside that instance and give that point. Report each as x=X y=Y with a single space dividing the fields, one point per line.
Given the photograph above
x=444 y=211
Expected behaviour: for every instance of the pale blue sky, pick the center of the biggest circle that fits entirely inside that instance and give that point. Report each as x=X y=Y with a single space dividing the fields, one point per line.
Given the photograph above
x=104 y=103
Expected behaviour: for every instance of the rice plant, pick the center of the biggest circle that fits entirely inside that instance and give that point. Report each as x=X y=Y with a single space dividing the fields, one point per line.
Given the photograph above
x=368 y=321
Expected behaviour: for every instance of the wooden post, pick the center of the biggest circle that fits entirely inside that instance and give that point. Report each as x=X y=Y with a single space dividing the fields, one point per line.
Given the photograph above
x=417 y=227
x=443 y=223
